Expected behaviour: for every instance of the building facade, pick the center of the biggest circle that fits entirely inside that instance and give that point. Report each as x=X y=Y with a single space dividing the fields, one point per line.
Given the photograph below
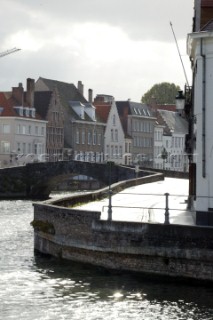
x=49 y=106
x=114 y=137
x=22 y=131
x=138 y=124
x=175 y=130
x=83 y=132
x=200 y=51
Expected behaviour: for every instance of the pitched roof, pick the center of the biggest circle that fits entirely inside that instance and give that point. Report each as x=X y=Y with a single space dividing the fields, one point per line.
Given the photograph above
x=42 y=101
x=168 y=107
x=67 y=91
x=174 y=122
x=7 y=104
x=126 y=108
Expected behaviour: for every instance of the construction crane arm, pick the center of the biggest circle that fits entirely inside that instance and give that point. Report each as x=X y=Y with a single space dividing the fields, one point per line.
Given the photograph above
x=5 y=53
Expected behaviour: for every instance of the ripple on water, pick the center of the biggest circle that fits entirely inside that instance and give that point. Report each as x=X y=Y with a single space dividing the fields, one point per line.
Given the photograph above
x=35 y=288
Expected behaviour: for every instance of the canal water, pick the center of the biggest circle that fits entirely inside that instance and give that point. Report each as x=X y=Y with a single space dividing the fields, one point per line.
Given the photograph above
x=35 y=287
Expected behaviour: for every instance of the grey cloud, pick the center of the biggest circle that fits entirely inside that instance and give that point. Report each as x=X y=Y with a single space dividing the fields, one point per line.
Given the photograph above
x=140 y=19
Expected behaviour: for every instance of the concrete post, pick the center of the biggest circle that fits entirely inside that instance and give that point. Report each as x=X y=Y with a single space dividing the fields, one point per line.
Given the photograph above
x=167 y=209
x=110 y=206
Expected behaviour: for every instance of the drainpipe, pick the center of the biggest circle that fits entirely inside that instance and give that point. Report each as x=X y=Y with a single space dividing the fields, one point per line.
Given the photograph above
x=203 y=110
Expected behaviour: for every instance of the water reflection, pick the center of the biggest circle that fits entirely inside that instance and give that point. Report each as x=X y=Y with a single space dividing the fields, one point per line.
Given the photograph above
x=156 y=299
x=38 y=287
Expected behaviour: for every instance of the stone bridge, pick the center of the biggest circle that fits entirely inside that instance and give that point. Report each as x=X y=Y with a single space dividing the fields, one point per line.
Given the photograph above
x=37 y=180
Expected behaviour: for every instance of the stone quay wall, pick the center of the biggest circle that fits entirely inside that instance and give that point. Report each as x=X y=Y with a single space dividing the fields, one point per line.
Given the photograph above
x=159 y=249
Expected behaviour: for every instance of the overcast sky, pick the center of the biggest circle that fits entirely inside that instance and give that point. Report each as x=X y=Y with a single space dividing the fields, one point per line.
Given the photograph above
x=116 y=47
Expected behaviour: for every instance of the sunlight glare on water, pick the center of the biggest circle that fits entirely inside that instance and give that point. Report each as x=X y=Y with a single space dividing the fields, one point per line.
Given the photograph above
x=37 y=287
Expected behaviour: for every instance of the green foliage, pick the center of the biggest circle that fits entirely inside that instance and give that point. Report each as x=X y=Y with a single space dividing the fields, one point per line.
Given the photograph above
x=163 y=93
x=43 y=226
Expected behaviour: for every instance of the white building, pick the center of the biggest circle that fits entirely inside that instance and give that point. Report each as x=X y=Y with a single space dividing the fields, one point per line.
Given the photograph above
x=114 y=147
x=22 y=133
x=158 y=146
x=114 y=137
x=170 y=133
x=200 y=50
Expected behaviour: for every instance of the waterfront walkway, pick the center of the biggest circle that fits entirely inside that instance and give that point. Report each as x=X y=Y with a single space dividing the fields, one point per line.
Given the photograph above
x=146 y=203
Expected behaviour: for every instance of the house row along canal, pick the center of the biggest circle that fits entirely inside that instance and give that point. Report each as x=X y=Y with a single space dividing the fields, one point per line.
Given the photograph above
x=36 y=287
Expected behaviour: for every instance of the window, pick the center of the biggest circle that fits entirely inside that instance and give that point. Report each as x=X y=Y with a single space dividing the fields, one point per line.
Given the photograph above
x=116 y=152
x=107 y=150
x=29 y=129
x=42 y=131
x=18 y=128
x=94 y=137
x=83 y=137
x=112 y=151
x=35 y=149
x=36 y=131
x=112 y=135
x=38 y=149
x=77 y=137
x=116 y=135
x=6 y=128
x=135 y=126
x=18 y=147
x=24 y=148
x=27 y=112
x=89 y=138
x=5 y=147
x=99 y=139
x=120 y=152
x=24 y=129
x=113 y=120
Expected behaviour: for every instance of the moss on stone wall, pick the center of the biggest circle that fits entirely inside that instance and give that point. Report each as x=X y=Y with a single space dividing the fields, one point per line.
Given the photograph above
x=43 y=226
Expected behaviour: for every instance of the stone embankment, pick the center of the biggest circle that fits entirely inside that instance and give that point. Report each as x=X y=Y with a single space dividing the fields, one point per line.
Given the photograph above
x=161 y=249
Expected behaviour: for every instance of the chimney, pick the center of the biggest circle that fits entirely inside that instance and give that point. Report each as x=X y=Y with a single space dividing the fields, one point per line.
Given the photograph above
x=30 y=92
x=81 y=87
x=18 y=93
x=90 y=95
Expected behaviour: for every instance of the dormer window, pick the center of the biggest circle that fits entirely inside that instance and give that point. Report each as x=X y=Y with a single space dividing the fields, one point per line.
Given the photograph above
x=82 y=114
x=27 y=112
x=78 y=107
x=32 y=112
x=135 y=110
x=19 y=110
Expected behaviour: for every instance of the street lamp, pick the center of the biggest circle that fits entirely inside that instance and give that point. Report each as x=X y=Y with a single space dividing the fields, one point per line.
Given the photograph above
x=185 y=102
x=164 y=156
x=110 y=163
x=180 y=101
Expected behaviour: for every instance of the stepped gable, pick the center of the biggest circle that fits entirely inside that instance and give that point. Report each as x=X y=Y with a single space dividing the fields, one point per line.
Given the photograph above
x=174 y=122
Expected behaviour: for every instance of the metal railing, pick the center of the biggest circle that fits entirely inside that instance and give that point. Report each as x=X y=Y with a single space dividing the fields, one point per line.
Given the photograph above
x=146 y=213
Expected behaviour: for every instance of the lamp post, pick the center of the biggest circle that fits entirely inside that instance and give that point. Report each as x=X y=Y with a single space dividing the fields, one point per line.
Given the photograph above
x=110 y=163
x=185 y=102
x=164 y=156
